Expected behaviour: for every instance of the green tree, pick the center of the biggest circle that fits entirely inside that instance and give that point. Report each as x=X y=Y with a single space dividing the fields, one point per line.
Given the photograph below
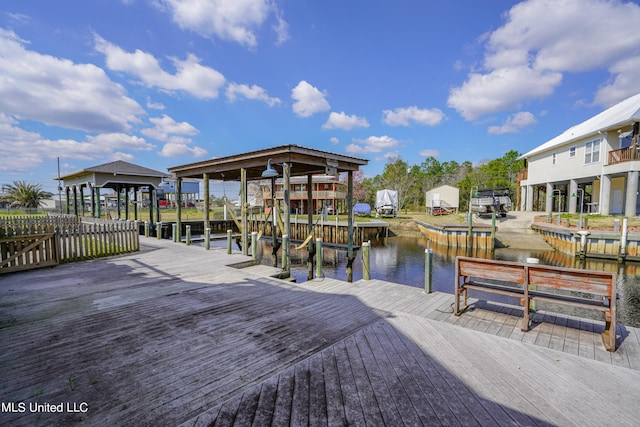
x=24 y=194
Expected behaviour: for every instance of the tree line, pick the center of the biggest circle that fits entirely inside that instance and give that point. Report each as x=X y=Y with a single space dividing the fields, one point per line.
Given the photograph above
x=413 y=181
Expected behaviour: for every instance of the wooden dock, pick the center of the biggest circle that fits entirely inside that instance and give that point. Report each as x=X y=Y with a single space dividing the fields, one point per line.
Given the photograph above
x=173 y=335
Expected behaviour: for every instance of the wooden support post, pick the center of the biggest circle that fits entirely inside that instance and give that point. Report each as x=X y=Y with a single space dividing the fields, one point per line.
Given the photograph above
x=229 y=237
x=428 y=269
x=274 y=223
x=174 y=232
x=188 y=238
x=146 y=229
x=285 y=253
x=152 y=197
x=119 y=190
x=350 y=255
x=366 y=261
x=319 y=258
x=243 y=211
x=254 y=244
x=207 y=238
x=310 y=231
x=178 y=237
x=205 y=179
x=286 y=249
x=470 y=231
x=159 y=230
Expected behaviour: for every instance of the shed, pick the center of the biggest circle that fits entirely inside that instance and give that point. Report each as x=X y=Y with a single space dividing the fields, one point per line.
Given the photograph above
x=444 y=199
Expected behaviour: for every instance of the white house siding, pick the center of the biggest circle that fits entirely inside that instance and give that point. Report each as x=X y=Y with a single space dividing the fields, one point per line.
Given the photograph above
x=614 y=187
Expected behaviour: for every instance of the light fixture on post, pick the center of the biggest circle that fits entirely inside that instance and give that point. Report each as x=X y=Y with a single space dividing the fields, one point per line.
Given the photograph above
x=270 y=172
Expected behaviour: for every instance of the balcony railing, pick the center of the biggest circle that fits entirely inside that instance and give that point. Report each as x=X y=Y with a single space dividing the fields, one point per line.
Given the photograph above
x=523 y=175
x=318 y=195
x=621 y=155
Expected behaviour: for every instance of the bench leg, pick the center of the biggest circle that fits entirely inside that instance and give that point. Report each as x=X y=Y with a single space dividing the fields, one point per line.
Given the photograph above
x=526 y=317
x=609 y=334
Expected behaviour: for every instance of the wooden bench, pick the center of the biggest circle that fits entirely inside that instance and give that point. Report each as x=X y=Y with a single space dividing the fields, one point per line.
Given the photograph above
x=593 y=290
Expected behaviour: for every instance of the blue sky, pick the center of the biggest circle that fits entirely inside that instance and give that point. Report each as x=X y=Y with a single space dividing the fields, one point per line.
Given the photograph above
x=162 y=83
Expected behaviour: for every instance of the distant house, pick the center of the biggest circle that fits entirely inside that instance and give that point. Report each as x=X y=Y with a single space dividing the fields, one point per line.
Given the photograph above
x=327 y=192
x=443 y=199
x=592 y=166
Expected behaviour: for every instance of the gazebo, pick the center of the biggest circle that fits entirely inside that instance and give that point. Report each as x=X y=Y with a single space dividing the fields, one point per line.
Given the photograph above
x=292 y=160
x=119 y=176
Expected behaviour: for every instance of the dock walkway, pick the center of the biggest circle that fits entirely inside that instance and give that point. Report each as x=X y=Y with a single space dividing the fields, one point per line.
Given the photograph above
x=173 y=335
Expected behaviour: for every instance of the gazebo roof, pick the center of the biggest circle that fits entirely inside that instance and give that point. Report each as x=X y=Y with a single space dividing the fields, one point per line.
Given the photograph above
x=303 y=161
x=114 y=175
x=119 y=167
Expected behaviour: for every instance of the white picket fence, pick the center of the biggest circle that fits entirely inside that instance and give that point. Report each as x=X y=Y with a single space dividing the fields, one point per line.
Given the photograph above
x=34 y=242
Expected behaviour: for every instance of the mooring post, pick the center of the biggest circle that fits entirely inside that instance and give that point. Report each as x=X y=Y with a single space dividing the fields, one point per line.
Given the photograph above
x=319 y=257
x=285 y=252
x=207 y=238
x=493 y=228
x=188 y=237
x=623 y=239
x=174 y=232
x=428 y=269
x=159 y=230
x=229 y=236
x=146 y=229
x=366 y=269
x=583 y=243
x=254 y=244
x=470 y=232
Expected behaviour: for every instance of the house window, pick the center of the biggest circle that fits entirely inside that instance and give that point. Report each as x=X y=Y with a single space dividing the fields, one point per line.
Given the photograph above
x=592 y=151
x=572 y=151
x=554 y=157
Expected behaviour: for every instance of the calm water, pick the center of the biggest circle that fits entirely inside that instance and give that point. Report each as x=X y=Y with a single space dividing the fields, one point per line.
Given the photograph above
x=402 y=259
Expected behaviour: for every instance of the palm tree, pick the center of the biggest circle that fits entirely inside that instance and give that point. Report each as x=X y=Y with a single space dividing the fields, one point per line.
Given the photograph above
x=24 y=194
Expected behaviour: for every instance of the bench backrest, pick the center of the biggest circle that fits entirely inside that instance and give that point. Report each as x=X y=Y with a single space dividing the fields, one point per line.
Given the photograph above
x=593 y=282
x=490 y=269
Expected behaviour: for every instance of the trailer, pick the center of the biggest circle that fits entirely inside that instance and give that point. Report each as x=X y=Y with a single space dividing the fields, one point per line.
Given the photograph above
x=489 y=200
x=386 y=203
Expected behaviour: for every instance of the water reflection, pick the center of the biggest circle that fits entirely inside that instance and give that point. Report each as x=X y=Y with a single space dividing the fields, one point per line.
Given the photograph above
x=402 y=259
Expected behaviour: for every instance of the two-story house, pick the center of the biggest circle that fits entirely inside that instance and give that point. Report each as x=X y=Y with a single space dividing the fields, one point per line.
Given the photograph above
x=594 y=164
x=327 y=192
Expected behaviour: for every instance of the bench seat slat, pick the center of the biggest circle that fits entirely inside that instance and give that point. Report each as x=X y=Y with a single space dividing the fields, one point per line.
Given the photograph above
x=591 y=304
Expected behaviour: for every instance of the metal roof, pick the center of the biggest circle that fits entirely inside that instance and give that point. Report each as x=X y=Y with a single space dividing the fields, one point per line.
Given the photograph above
x=118 y=167
x=302 y=161
x=614 y=118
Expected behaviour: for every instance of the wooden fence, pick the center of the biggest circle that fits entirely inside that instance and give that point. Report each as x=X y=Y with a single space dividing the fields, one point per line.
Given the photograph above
x=35 y=242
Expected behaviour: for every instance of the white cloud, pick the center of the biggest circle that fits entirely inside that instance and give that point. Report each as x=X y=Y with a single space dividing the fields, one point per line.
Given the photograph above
x=372 y=144
x=404 y=116
x=175 y=149
x=343 y=121
x=191 y=77
x=233 y=20
x=499 y=90
x=166 y=126
x=429 y=153
x=334 y=140
x=59 y=92
x=155 y=105
x=28 y=150
x=625 y=83
x=309 y=100
x=541 y=40
x=514 y=123
x=250 y=92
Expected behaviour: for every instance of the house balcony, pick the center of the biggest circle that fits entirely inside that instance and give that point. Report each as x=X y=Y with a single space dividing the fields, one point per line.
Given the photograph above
x=317 y=195
x=622 y=155
x=523 y=175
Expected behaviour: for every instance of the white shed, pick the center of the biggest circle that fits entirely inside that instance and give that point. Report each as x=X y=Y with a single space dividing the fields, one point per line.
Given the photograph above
x=442 y=200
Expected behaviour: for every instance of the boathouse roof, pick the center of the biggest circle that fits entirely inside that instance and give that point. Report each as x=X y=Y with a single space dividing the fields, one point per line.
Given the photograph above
x=303 y=161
